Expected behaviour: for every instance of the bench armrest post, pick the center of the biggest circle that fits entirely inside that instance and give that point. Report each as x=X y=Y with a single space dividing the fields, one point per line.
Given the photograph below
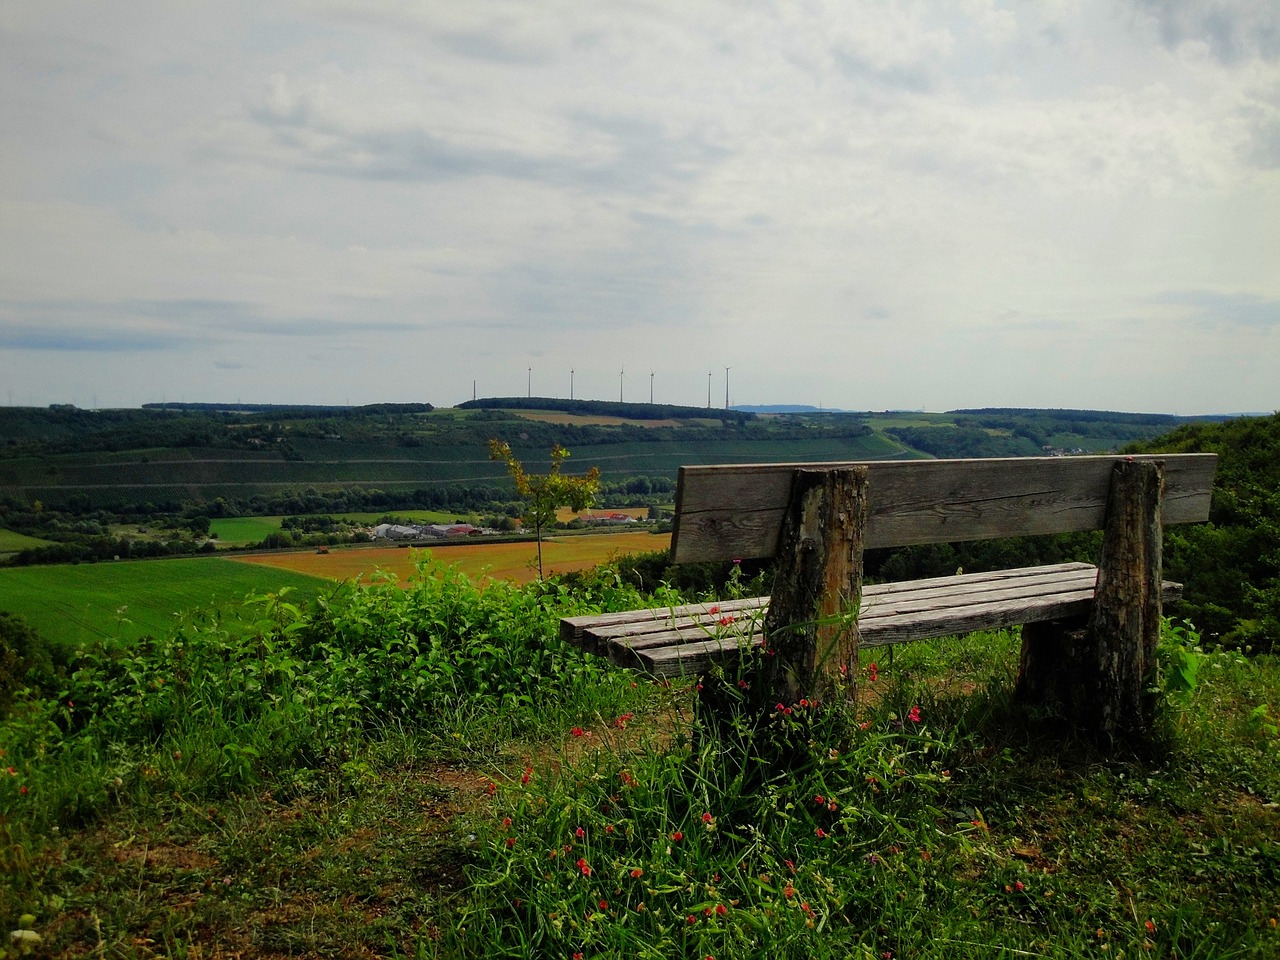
x=811 y=631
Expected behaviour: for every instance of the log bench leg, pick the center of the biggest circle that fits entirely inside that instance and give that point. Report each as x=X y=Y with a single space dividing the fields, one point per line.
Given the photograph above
x=1101 y=676
x=811 y=629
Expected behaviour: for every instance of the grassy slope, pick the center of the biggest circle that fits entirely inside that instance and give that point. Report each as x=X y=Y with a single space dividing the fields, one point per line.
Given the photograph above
x=71 y=605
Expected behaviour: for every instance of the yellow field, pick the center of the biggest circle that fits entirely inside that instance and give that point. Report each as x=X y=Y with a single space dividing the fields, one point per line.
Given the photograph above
x=517 y=562
x=565 y=514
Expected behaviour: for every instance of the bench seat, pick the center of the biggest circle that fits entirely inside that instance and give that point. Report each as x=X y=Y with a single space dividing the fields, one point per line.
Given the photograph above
x=687 y=640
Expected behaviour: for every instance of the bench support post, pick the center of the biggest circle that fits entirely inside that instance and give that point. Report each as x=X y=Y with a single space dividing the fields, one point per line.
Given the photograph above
x=1101 y=673
x=811 y=630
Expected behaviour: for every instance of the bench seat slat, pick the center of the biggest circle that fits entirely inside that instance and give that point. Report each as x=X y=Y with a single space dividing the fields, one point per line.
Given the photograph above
x=689 y=639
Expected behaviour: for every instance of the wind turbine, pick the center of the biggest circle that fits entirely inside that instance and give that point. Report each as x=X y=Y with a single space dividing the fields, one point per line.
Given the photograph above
x=726 y=387
x=708 y=389
x=622 y=373
x=650 y=387
x=570 y=383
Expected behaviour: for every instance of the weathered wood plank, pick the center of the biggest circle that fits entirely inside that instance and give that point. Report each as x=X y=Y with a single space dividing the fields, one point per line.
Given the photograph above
x=667 y=645
x=736 y=511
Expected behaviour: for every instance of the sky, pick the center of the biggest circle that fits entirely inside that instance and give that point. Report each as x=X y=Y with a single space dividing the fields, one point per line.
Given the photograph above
x=857 y=204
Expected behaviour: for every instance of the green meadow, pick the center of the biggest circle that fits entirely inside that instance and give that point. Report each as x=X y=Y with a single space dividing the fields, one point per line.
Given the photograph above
x=75 y=604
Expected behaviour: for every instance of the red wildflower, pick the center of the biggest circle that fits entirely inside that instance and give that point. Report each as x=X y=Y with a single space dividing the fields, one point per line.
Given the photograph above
x=579 y=833
x=604 y=904
x=506 y=823
x=691 y=920
x=578 y=732
x=820 y=834
x=873 y=672
x=492 y=788
x=584 y=866
x=707 y=818
x=914 y=714
x=788 y=891
x=743 y=684
x=713 y=609
x=820 y=800
x=725 y=621
x=636 y=873
x=677 y=836
x=721 y=909
x=528 y=774
x=511 y=842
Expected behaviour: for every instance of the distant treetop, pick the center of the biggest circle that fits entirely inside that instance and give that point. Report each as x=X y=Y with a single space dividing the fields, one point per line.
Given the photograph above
x=609 y=408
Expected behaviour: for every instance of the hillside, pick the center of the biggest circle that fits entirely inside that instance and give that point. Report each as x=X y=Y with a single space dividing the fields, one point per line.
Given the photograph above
x=1231 y=566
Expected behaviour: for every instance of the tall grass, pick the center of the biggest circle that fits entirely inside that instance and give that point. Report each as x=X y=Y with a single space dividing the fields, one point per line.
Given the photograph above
x=431 y=772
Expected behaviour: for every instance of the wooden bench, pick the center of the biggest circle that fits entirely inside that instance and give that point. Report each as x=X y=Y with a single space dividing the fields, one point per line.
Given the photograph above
x=816 y=519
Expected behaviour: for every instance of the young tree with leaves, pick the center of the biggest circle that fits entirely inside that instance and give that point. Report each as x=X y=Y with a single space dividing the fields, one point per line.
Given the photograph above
x=544 y=494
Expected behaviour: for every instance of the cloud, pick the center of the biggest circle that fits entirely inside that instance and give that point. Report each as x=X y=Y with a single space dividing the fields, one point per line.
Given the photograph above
x=1233 y=30
x=1223 y=310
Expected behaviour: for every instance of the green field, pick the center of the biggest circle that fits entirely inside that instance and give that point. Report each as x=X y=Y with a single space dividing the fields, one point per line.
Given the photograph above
x=241 y=531
x=75 y=604
x=11 y=542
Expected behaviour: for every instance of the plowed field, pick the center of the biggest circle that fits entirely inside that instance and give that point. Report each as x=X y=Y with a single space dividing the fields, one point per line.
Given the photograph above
x=517 y=562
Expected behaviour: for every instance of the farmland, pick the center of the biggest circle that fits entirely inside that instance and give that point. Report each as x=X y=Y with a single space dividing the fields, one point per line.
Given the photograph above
x=516 y=562
x=73 y=605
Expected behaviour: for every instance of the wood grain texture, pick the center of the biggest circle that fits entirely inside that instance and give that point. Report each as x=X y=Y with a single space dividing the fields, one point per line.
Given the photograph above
x=668 y=642
x=736 y=512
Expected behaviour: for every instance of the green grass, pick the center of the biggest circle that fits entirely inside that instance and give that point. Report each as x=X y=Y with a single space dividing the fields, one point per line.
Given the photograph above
x=74 y=604
x=430 y=773
x=243 y=531
x=12 y=542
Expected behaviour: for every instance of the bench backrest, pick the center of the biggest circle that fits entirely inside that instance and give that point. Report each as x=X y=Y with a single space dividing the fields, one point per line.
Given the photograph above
x=736 y=512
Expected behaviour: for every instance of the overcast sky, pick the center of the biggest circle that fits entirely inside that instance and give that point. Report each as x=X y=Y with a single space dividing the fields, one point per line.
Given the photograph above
x=865 y=205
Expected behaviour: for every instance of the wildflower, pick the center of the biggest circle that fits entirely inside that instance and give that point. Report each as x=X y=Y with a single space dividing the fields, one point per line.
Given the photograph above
x=621 y=722
x=492 y=788
x=708 y=818
x=577 y=955
x=23 y=789
x=832 y=805
x=914 y=714
x=725 y=621
x=790 y=865
x=691 y=920
x=804 y=703
x=579 y=833
x=511 y=842
x=578 y=732
x=528 y=775
x=806 y=908
x=873 y=673
x=820 y=800
x=677 y=836
x=608 y=828
x=713 y=609
x=742 y=684
x=604 y=904
x=506 y=823
x=11 y=771
x=820 y=834
x=584 y=866
x=721 y=909
x=1019 y=886
x=1151 y=926
x=788 y=891
x=636 y=873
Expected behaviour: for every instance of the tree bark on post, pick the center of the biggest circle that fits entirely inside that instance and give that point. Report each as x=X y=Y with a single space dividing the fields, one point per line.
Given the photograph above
x=811 y=630
x=1101 y=673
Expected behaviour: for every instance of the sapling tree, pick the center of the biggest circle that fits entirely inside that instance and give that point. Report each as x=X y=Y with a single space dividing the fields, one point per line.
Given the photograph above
x=545 y=494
